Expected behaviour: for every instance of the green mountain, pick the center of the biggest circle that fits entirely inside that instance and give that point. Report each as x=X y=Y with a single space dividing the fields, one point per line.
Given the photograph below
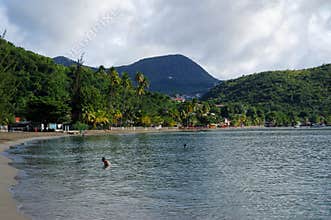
x=64 y=61
x=301 y=94
x=170 y=74
x=35 y=88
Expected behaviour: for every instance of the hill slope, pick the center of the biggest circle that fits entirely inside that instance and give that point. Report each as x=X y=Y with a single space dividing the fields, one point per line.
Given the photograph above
x=169 y=74
x=304 y=92
x=28 y=79
x=36 y=89
x=64 y=61
x=172 y=74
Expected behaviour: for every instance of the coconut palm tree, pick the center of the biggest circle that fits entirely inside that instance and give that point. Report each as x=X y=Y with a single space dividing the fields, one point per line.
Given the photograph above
x=101 y=69
x=115 y=80
x=101 y=117
x=126 y=87
x=142 y=83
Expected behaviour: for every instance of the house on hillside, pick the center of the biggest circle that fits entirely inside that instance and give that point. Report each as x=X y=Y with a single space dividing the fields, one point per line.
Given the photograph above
x=179 y=99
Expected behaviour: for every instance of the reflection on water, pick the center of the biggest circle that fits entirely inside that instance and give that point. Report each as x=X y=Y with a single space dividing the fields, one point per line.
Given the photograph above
x=230 y=174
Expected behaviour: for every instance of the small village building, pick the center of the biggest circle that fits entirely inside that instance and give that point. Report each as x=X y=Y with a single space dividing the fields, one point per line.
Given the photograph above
x=179 y=99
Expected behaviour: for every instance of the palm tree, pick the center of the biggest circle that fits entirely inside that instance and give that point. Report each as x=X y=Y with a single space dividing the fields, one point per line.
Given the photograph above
x=126 y=86
x=88 y=115
x=101 y=117
x=125 y=81
x=95 y=117
x=115 y=80
x=77 y=87
x=142 y=82
x=139 y=77
x=101 y=69
x=117 y=116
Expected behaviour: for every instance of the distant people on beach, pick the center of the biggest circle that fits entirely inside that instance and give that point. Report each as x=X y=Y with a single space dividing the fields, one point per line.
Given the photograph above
x=106 y=163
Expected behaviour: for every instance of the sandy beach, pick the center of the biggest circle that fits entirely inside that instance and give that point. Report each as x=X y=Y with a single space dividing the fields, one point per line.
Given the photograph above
x=8 y=206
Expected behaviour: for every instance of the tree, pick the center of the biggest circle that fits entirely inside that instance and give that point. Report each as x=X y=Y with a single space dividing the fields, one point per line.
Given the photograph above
x=142 y=83
x=101 y=70
x=7 y=95
x=115 y=80
x=157 y=120
x=101 y=118
x=146 y=121
x=126 y=103
x=3 y=35
x=328 y=120
x=47 y=110
x=117 y=116
x=77 y=98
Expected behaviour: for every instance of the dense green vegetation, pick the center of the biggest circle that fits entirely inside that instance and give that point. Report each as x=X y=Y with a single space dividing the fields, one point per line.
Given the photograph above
x=170 y=74
x=281 y=98
x=35 y=88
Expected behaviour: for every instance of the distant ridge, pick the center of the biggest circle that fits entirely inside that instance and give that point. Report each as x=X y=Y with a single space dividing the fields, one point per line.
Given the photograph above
x=169 y=74
x=301 y=93
x=63 y=61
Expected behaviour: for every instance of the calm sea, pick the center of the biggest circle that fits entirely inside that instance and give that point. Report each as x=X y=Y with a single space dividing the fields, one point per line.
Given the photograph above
x=228 y=174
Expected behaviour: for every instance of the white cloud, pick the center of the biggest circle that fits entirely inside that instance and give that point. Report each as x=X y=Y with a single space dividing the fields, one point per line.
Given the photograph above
x=227 y=38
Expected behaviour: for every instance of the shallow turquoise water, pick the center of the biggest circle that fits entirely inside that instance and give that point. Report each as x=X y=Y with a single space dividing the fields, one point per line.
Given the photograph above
x=230 y=174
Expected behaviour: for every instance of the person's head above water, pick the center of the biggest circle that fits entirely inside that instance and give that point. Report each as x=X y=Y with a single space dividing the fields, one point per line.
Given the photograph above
x=106 y=163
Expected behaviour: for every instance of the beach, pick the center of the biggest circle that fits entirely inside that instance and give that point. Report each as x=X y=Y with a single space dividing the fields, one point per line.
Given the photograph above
x=8 y=206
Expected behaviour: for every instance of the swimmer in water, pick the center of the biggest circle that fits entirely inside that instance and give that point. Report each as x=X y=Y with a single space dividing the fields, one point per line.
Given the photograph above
x=106 y=163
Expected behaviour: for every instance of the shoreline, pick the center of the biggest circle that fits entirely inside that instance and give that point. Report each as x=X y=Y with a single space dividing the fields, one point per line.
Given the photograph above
x=8 y=205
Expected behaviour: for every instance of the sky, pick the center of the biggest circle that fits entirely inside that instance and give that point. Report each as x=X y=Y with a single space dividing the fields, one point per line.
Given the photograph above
x=227 y=38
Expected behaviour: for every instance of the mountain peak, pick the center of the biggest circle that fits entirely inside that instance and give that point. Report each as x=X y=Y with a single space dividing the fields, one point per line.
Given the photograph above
x=170 y=74
x=64 y=61
x=169 y=58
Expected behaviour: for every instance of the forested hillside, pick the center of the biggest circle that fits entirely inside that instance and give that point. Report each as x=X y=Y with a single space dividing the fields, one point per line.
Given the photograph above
x=280 y=96
x=173 y=74
x=170 y=74
x=29 y=81
x=34 y=88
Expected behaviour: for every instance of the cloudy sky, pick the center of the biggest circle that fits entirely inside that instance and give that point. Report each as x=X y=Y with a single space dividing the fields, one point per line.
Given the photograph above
x=228 y=38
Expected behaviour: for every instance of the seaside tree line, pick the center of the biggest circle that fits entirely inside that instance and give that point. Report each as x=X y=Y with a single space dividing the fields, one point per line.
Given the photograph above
x=34 y=88
x=279 y=98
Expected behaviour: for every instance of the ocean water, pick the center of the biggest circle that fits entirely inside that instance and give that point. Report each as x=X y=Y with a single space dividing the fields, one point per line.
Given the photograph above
x=228 y=174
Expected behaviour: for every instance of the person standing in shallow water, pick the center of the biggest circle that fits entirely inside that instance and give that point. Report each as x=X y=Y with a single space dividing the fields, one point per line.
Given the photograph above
x=106 y=163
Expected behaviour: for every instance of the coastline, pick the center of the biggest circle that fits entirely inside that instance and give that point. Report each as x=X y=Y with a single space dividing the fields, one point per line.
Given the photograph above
x=8 y=206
